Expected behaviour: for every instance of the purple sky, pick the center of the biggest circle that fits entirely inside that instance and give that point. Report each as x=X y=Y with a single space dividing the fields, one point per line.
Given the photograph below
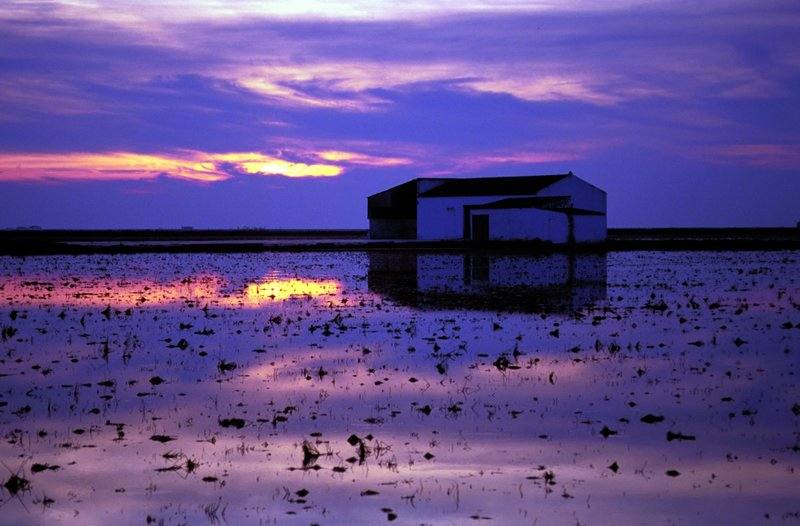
x=288 y=114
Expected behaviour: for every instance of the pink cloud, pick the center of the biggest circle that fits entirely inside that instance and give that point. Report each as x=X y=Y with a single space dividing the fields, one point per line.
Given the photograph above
x=362 y=158
x=189 y=165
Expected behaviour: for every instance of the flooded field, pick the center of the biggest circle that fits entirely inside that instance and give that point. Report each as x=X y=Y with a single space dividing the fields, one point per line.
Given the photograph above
x=412 y=388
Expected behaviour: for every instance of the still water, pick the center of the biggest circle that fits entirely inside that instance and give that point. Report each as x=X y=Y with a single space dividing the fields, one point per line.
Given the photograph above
x=403 y=387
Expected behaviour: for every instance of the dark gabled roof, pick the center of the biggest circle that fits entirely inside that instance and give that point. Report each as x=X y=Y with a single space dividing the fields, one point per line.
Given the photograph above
x=399 y=202
x=412 y=185
x=553 y=204
x=519 y=185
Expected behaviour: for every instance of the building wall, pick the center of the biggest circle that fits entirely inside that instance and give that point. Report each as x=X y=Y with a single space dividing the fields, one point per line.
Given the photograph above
x=443 y=217
x=392 y=228
x=583 y=194
x=526 y=223
x=590 y=229
x=392 y=213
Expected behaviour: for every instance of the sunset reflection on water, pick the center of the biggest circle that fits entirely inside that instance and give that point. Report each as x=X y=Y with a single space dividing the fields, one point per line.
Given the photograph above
x=183 y=387
x=207 y=289
x=282 y=289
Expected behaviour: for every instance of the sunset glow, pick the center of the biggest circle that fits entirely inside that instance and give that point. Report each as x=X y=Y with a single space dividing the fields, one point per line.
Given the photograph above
x=190 y=165
x=251 y=113
x=399 y=262
x=197 y=290
x=283 y=289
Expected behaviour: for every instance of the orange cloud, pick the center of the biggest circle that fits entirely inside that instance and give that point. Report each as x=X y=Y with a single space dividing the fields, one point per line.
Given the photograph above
x=258 y=164
x=191 y=165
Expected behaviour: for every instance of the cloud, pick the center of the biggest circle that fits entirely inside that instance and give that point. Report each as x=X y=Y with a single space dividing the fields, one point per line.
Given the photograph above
x=385 y=91
x=188 y=165
x=287 y=90
x=148 y=12
x=320 y=59
x=362 y=158
x=774 y=156
x=535 y=52
x=525 y=156
x=351 y=86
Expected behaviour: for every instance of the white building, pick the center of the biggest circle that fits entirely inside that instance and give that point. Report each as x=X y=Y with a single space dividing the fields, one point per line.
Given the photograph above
x=558 y=208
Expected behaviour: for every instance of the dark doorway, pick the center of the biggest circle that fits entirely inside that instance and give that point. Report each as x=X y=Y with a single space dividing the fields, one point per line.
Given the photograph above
x=480 y=227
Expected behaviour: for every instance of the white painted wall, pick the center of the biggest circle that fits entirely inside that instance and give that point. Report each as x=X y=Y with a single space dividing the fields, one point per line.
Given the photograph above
x=440 y=218
x=526 y=223
x=590 y=229
x=583 y=194
x=443 y=217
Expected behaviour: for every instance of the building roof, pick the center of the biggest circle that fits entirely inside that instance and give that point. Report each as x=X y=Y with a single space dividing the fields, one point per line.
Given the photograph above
x=518 y=185
x=561 y=204
x=399 y=202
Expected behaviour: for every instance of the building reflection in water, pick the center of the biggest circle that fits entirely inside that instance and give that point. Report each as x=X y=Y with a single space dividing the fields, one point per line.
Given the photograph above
x=524 y=283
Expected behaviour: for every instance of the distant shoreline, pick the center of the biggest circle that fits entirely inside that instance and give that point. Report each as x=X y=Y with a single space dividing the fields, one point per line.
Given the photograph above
x=65 y=242
x=176 y=234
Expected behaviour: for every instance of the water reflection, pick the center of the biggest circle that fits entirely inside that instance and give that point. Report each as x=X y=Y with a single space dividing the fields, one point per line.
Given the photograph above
x=522 y=283
x=194 y=290
x=283 y=289
x=255 y=409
